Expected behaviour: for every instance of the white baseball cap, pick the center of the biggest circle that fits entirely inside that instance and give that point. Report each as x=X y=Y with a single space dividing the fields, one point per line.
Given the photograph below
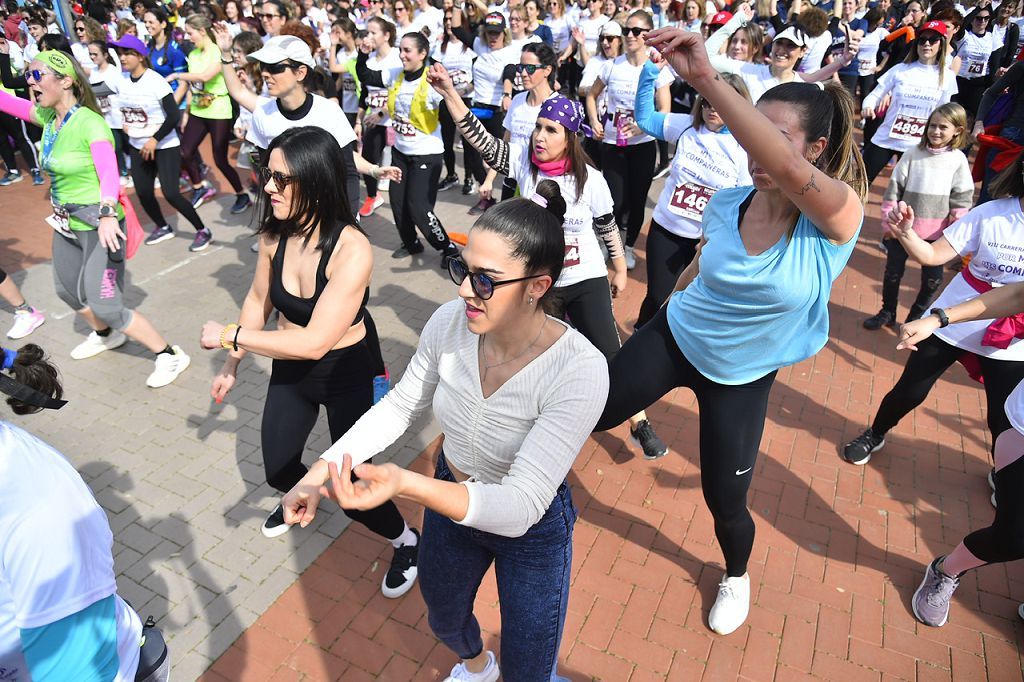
x=793 y=35
x=284 y=48
x=611 y=28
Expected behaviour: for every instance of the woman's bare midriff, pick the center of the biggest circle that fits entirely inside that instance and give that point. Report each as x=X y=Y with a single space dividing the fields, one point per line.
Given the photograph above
x=354 y=335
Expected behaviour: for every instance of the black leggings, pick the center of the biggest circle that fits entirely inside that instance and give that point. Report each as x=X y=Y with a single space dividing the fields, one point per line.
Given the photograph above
x=895 y=266
x=165 y=165
x=219 y=130
x=16 y=129
x=448 y=133
x=629 y=171
x=341 y=381
x=587 y=305
x=1004 y=539
x=924 y=367
x=650 y=365
x=375 y=138
x=493 y=125
x=969 y=94
x=413 y=199
x=667 y=256
x=876 y=158
x=121 y=146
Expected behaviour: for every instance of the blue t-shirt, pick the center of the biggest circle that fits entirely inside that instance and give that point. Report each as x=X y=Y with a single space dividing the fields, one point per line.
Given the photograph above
x=745 y=316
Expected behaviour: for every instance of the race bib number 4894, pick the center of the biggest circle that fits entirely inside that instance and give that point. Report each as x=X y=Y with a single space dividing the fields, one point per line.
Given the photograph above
x=907 y=127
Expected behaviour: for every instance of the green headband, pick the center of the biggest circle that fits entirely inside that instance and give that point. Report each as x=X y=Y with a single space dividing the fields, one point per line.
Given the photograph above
x=61 y=64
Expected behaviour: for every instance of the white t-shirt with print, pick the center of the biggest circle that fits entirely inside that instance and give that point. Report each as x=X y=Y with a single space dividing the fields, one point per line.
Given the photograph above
x=704 y=163
x=592 y=31
x=56 y=552
x=347 y=89
x=489 y=67
x=620 y=80
x=112 y=78
x=583 y=256
x=916 y=92
x=142 y=113
x=268 y=122
x=993 y=235
x=561 y=32
x=377 y=98
x=867 y=54
x=974 y=52
x=409 y=139
x=521 y=119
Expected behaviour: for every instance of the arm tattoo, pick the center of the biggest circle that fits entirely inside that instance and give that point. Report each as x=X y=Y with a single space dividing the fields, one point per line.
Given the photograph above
x=608 y=231
x=809 y=186
x=493 y=150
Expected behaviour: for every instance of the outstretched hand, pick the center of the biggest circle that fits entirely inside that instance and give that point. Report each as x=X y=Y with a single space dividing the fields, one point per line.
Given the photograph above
x=223 y=36
x=684 y=51
x=374 y=485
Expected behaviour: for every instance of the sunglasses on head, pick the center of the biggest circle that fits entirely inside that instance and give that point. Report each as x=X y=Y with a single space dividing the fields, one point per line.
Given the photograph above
x=483 y=285
x=635 y=31
x=931 y=39
x=529 y=69
x=280 y=179
x=276 y=69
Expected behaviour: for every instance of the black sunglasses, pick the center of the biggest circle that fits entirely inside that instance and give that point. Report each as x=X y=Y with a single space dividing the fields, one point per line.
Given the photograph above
x=530 y=69
x=266 y=17
x=483 y=285
x=635 y=31
x=276 y=69
x=983 y=17
x=930 y=40
x=280 y=179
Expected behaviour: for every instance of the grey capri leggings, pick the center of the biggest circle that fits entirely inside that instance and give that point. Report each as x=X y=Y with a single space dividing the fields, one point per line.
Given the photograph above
x=88 y=276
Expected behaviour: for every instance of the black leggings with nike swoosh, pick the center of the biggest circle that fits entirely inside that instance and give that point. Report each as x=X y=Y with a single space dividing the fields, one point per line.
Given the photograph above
x=650 y=365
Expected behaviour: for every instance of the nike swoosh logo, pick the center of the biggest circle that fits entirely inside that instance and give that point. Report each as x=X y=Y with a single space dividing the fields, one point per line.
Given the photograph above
x=740 y=473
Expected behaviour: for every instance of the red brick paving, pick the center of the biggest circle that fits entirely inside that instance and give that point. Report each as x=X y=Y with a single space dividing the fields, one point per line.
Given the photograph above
x=839 y=550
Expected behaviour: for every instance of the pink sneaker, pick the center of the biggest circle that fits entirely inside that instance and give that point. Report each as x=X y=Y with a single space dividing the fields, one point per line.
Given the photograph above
x=25 y=322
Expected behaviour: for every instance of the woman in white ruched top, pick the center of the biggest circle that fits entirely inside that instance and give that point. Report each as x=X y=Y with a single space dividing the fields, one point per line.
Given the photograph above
x=517 y=393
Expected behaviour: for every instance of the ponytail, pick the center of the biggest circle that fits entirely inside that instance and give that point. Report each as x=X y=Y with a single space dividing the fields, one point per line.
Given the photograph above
x=31 y=369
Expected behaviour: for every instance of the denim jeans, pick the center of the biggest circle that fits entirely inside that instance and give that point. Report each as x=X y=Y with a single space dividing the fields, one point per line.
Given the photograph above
x=532 y=573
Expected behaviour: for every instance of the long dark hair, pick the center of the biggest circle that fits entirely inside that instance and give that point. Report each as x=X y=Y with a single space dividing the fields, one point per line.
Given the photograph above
x=534 y=232
x=1010 y=181
x=317 y=168
x=31 y=368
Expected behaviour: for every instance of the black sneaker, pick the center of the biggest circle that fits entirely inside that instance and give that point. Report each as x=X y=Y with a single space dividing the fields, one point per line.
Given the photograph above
x=858 y=451
x=449 y=182
x=644 y=436
x=242 y=203
x=451 y=251
x=402 y=574
x=275 y=525
x=481 y=206
x=883 y=318
x=404 y=251
x=468 y=187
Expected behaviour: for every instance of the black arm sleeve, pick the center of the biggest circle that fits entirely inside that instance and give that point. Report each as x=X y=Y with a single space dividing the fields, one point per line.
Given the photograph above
x=508 y=74
x=1010 y=44
x=608 y=231
x=8 y=78
x=172 y=114
x=779 y=25
x=492 y=150
x=465 y=35
x=366 y=75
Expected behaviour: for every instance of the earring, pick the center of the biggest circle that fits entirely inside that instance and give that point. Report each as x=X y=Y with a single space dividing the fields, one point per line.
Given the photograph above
x=531 y=300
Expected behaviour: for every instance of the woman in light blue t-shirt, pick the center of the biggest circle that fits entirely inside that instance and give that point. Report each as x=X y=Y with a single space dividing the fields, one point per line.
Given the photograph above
x=756 y=297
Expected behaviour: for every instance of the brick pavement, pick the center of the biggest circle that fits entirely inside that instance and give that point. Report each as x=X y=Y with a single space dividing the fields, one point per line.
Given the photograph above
x=838 y=553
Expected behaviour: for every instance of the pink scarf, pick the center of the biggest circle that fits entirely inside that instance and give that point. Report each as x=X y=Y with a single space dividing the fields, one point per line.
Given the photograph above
x=552 y=167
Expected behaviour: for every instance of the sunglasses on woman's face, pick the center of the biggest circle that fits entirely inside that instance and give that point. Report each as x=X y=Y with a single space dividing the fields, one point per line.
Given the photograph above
x=275 y=69
x=635 y=31
x=483 y=285
x=983 y=17
x=36 y=75
x=529 y=69
x=280 y=179
x=267 y=17
x=930 y=40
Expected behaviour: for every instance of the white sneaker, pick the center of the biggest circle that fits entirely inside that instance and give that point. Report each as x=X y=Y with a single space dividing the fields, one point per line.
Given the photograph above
x=732 y=605
x=25 y=322
x=95 y=344
x=488 y=674
x=630 y=258
x=168 y=367
x=383 y=186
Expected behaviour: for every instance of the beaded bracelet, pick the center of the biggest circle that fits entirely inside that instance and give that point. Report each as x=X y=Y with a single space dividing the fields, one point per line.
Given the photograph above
x=223 y=336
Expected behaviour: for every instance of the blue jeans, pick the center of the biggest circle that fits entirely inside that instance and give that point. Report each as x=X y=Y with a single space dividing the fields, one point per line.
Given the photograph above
x=532 y=572
x=1010 y=133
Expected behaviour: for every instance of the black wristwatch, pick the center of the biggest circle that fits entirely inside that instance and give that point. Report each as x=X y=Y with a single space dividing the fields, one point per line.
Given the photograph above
x=941 y=314
x=107 y=211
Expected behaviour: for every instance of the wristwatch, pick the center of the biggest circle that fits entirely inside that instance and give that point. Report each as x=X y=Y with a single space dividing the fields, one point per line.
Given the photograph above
x=107 y=211
x=941 y=314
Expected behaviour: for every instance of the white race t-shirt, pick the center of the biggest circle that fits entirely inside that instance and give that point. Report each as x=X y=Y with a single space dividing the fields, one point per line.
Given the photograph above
x=974 y=52
x=816 y=49
x=56 y=552
x=488 y=68
x=141 y=111
x=583 y=256
x=867 y=54
x=109 y=105
x=410 y=140
x=561 y=32
x=916 y=92
x=592 y=31
x=620 y=79
x=704 y=163
x=347 y=83
x=521 y=119
x=377 y=98
x=993 y=235
x=268 y=122
x=433 y=20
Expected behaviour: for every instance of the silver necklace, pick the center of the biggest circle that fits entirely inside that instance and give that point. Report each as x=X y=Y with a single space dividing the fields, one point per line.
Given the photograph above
x=505 y=362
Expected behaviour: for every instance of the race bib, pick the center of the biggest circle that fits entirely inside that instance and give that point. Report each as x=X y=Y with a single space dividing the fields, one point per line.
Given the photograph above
x=104 y=103
x=977 y=67
x=461 y=80
x=134 y=119
x=908 y=127
x=690 y=199
x=572 y=252
x=378 y=99
x=60 y=221
x=402 y=126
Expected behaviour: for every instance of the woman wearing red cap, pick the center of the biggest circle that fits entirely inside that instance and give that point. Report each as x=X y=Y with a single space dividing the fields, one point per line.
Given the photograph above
x=916 y=87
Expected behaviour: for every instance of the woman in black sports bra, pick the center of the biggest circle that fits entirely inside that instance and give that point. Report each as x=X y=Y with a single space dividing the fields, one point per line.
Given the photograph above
x=314 y=268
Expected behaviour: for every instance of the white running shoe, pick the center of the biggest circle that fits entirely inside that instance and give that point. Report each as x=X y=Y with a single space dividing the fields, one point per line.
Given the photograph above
x=630 y=258
x=488 y=674
x=25 y=322
x=732 y=605
x=95 y=344
x=168 y=367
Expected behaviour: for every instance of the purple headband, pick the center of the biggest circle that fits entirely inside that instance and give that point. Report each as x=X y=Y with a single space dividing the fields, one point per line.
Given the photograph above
x=566 y=112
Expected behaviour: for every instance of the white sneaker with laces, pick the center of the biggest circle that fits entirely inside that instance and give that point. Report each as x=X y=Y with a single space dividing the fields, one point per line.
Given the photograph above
x=488 y=674
x=168 y=367
x=25 y=322
x=732 y=605
x=95 y=344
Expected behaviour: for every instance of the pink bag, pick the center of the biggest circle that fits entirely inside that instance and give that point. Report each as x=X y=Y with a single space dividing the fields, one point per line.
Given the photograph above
x=132 y=228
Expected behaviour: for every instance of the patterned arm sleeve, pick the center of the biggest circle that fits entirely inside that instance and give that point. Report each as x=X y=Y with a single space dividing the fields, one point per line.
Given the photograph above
x=493 y=151
x=608 y=231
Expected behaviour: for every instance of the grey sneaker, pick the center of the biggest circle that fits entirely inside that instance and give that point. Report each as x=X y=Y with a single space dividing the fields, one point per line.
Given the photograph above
x=931 y=600
x=160 y=234
x=630 y=258
x=201 y=240
x=858 y=451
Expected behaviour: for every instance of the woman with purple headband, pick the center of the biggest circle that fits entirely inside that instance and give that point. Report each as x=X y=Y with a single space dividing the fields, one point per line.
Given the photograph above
x=556 y=153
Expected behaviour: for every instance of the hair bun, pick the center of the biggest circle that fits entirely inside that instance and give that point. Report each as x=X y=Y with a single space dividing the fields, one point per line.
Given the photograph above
x=552 y=193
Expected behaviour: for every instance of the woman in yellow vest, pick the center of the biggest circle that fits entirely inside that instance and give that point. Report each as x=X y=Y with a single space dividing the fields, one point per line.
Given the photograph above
x=414 y=110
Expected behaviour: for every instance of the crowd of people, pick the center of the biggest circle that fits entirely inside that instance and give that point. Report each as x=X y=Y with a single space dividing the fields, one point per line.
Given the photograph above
x=750 y=112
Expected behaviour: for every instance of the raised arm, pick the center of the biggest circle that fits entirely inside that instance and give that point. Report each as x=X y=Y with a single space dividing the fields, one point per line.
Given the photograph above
x=494 y=151
x=246 y=98
x=366 y=75
x=831 y=204
x=648 y=119
x=849 y=54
